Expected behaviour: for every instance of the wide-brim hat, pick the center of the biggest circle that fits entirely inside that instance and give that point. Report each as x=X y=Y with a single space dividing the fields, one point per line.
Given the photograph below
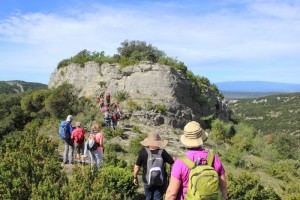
x=154 y=139
x=193 y=135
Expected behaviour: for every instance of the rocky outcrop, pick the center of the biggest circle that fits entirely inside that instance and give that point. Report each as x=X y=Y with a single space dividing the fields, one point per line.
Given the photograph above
x=146 y=83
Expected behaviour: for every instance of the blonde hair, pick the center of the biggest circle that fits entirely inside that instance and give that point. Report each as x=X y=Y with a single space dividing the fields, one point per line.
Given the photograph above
x=96 y=127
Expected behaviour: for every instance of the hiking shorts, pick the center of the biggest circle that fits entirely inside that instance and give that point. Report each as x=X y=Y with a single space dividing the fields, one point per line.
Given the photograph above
x=79 y=148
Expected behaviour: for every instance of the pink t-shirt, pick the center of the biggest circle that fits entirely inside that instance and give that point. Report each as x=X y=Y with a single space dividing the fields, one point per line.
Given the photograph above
x=181 y=172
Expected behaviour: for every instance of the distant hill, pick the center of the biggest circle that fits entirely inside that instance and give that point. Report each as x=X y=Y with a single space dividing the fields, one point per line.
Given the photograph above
x=16 y=86
x=257 y=86
x=272 y=114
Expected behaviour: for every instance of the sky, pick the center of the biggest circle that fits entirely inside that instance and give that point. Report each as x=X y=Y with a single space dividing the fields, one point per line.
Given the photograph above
x=223 y=40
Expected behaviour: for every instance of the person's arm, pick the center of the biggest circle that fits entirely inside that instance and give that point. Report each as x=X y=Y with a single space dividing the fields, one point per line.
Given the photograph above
x=173 y=189
x=101 y=140
x=167 y=158
x=72 y=134
x=223 y=186
x=135 y=175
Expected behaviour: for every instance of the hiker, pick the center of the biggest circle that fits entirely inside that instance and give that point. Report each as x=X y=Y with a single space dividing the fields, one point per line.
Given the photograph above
x=78 y=136
x=95 y=146
x=100 y=102
x=179 y=187
x=107 y=97
x=115 y=117
x=107 y=118
x=106 y=108
x=152 y=159
x=65 y=131
x=116 y=105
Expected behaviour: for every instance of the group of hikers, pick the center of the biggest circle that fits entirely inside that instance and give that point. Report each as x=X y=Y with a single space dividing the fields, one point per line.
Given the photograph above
x=112 y=114
x=75 y=139
x=197 y=175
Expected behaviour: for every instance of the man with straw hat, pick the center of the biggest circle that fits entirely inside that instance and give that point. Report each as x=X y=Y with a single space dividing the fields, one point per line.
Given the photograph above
x=152 y=159
x=193 y=138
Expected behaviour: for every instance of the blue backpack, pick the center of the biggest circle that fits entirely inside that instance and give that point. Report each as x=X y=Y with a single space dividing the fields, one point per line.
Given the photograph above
x=64 y=130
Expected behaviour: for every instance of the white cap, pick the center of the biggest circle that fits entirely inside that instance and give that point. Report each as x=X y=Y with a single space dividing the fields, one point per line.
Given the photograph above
x=69 y=118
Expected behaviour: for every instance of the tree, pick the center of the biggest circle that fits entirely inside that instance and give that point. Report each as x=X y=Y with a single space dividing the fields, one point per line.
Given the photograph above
x=60 y=103
x=139 y=50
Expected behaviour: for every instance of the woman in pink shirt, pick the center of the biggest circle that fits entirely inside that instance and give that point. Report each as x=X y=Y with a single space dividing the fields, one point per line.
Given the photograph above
x=192 y=138
x=96 y=152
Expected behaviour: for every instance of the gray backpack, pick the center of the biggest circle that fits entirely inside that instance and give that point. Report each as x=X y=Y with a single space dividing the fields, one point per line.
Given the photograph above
x=155 y=168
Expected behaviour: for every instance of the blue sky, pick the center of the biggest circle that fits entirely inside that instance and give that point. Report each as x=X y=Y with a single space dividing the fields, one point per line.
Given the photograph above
x=223 y=40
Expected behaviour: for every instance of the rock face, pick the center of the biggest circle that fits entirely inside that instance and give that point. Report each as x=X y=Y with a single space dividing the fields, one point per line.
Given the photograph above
x=146 y=84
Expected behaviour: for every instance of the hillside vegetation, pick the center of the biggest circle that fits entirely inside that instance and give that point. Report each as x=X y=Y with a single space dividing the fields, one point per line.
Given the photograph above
x=13 y=87
x=272 y=114
x=258 y=165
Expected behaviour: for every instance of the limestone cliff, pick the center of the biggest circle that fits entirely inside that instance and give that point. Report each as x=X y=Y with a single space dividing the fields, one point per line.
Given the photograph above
x=146 y=83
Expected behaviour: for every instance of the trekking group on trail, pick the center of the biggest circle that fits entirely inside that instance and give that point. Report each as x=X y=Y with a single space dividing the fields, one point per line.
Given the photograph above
x=199 y=175
x=94 y=146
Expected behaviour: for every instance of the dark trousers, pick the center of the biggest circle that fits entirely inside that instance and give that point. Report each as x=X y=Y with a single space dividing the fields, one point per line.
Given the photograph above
x=154 y=192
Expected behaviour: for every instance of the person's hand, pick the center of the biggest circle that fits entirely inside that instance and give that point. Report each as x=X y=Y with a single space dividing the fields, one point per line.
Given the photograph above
x=136 y=181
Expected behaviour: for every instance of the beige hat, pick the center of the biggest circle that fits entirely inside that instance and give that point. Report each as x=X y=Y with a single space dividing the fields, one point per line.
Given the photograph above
x=154 y=139
x=77 y=124
x=193 y=135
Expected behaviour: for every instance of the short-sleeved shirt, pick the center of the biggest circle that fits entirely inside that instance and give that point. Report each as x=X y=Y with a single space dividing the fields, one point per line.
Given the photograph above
x=143 y=157
x=181 y=172
x=75 y=134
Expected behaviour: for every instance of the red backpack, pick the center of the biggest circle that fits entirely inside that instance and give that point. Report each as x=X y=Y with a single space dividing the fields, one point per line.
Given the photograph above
x=79 y=137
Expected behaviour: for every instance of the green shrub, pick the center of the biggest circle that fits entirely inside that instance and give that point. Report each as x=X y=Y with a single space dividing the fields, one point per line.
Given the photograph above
x=111 y=133
x=102 y=83
x=161 y=108
x=247 y=186
x=135 y=145
x=133 y=106
x=221 y=131
x=113 y=147
x=136 y=129
x=121 y=96
x=235 y=157
x=149 y=106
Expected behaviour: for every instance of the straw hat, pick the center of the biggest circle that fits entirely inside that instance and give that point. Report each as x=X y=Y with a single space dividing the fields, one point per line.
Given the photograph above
x=154 y=139
x=193 y=135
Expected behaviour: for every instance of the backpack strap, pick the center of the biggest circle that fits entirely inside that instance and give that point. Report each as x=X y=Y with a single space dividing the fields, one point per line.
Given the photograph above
x=210 y=158
x=148 y=152
x=187 y=162
x=160 y=152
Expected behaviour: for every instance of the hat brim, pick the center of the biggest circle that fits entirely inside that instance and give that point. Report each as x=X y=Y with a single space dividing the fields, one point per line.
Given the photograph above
x=194 y=142
x=160 y=144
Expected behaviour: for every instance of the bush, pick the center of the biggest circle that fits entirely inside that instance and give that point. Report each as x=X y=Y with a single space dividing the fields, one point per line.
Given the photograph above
x=133 y=105
x=135 y=145
x=136 y=129
x=247 y=186
x=161 y=108
x=60 y=103
x=221 y=131
x=121 y=96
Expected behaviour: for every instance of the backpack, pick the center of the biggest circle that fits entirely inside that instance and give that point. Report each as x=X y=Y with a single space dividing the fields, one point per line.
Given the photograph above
x=106 y=116
x=117 y=114
x=79 y=135
x=64 y=130
x=91 y=143
x=203 y=179
x=155 y=168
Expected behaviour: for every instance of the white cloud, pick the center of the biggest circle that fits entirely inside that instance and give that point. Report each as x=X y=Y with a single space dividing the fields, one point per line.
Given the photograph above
x=258 y=30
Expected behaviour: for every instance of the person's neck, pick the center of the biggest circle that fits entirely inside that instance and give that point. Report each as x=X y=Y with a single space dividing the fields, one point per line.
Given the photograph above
x=153 y=148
